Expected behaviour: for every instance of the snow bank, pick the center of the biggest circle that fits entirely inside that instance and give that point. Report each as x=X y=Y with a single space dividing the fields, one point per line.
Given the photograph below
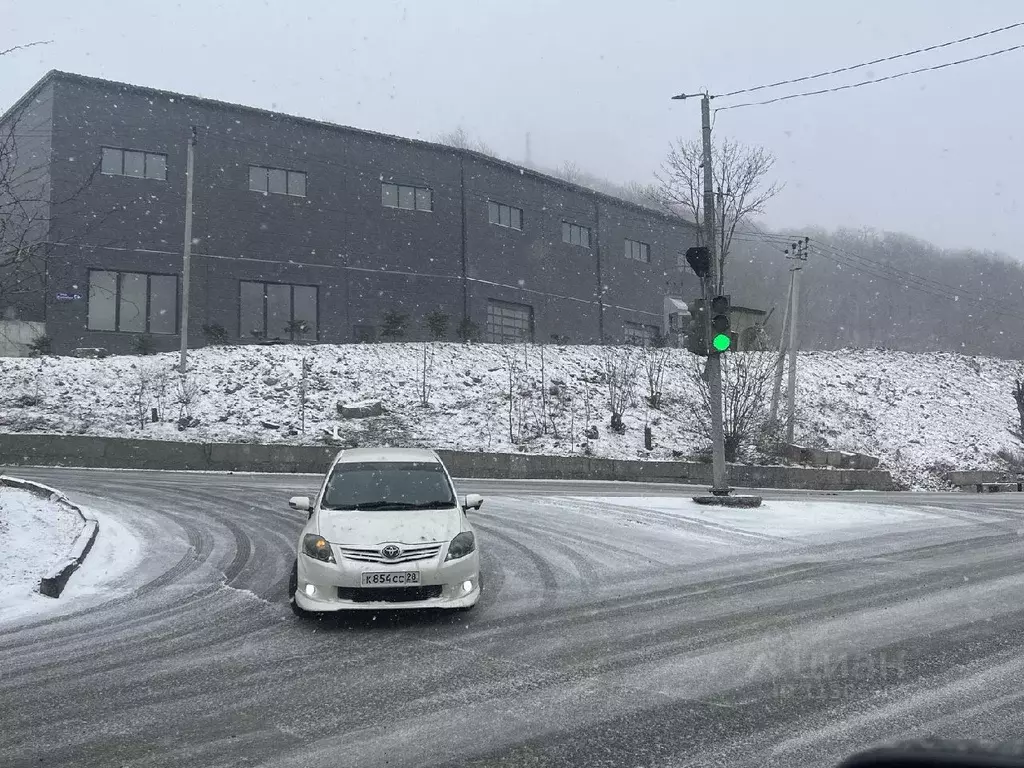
x=921 y=414
x=35 y=535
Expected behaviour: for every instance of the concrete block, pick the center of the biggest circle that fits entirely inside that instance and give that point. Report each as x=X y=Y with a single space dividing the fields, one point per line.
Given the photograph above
x=729 y=501
x=361 y=410
x=816 y=457
x=863 y=461
x=973 y=477
x=834 y=459
x=794 y=453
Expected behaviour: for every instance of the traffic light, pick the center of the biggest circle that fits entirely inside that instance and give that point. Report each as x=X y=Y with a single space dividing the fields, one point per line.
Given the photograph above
x=696 y=334
x=721 y=335
x=699 y=259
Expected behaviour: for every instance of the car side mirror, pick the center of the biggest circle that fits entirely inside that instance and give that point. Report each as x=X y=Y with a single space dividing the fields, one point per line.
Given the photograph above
x=472 y=501
x=300 y=503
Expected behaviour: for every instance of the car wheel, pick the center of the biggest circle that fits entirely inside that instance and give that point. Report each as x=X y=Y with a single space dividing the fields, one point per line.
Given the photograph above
x=293 y=586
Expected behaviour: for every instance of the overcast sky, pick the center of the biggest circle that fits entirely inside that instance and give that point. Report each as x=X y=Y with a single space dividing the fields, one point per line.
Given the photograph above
x=936 y=155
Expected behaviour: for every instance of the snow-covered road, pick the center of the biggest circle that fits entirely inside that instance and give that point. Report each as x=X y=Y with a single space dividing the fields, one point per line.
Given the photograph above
x=621 y=625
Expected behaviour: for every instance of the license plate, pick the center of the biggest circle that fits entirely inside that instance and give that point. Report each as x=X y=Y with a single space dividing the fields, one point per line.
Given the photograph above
x=391 y=579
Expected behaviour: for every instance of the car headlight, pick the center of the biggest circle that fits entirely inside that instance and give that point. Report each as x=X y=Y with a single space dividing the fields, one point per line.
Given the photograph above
x=317 y=547
x=461 y=545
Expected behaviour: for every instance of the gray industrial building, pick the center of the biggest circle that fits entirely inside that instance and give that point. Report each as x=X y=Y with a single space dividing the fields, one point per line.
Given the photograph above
x=306 y=230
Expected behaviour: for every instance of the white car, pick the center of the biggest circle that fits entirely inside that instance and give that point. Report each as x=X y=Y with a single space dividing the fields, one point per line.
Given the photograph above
x=386 y=531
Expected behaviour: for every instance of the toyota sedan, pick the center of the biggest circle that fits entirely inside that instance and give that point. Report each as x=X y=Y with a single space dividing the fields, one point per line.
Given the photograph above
x=386 y=531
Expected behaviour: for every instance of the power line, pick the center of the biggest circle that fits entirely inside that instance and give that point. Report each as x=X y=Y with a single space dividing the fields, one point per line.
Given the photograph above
x=875 y=80
x=879 y=270
x=882 y=60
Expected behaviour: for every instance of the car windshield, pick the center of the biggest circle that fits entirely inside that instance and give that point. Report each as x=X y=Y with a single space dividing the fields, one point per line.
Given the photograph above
x=388 y=485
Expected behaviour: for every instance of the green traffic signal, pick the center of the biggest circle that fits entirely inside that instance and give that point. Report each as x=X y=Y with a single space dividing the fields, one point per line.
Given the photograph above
x=721 y=342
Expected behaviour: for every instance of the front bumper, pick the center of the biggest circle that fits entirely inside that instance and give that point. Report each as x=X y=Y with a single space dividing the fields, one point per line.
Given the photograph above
x=326 y=578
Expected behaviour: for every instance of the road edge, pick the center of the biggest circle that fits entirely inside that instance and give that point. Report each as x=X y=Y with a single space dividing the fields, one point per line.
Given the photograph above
x=56 y=579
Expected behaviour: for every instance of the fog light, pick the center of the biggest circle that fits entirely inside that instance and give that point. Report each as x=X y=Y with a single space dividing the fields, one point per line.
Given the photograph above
x=467 y=586
x=310 y=590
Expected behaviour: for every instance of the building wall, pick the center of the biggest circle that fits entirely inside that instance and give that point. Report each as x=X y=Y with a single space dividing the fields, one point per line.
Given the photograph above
x=365 y=258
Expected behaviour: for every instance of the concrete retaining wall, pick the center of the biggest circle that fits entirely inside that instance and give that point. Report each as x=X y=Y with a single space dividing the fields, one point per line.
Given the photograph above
x=82 y=451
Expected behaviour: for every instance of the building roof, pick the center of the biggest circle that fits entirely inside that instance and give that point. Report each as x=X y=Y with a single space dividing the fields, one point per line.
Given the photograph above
x=58 y=75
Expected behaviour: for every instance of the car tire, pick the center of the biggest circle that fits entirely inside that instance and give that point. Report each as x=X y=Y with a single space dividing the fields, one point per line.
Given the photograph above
x=293 y=586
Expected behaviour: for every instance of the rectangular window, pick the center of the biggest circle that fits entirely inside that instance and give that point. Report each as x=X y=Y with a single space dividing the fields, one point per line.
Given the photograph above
x=102 y=301
x=277 y=181
x=504 y=215
x=133 y=302
x=296 y=184
x=638 y=251
x=508 y=323
x=641 y=335
x=277 y=311
x=574 y=234
x=408 y=198
x=129 y=162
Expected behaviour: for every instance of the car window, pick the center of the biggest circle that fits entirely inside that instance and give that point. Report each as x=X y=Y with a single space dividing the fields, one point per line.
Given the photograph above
x=388 y=485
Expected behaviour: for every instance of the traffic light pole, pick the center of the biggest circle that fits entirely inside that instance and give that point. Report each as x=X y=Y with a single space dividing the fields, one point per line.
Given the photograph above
x=799 y=258
x=719 y=484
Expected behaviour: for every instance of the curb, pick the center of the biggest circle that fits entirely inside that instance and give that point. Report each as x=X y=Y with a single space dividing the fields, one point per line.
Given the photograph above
x=53 y=583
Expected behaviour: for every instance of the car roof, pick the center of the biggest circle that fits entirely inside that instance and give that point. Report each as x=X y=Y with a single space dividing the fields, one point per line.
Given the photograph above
x=351 y=455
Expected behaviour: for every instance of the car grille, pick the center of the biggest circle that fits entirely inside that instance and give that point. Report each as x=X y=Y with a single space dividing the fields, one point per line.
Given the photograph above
x=389 y=594
x=410 y=554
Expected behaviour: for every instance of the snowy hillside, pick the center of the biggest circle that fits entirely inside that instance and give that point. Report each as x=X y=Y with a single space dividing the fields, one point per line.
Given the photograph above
x=922 y=414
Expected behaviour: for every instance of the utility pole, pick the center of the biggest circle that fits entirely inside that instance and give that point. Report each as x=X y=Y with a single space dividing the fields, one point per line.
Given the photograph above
x=187 y=253
x=719 y=484
x=773 y=414
x=799 y=257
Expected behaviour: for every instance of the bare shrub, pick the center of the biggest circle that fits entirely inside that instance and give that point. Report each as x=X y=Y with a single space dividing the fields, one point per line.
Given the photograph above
x=621 y=366
x=746 y=384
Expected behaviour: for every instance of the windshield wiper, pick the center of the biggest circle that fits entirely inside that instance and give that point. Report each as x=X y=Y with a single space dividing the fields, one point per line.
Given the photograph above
x=376 y=505
x=432 y=505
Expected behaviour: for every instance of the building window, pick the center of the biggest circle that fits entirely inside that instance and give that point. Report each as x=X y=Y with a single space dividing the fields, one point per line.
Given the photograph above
x=277 y=311
x=133 y=302
x=130 y=162
x=638 y=251
x=409 y=198
x=505 y=215
x=508 y=323
x=277 y=181
x=641 y=335
x=574 y=234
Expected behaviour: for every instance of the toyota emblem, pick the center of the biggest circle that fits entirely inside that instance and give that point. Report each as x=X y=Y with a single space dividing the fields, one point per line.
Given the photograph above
x=391 y=551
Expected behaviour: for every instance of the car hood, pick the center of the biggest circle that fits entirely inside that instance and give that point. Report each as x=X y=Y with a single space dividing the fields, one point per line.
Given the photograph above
x=379 y=526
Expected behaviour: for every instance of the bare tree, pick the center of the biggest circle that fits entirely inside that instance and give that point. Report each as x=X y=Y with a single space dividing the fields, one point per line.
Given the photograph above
x=27 y=207
x=621 y=365
x=461 y=139
x=746 y=387
x=569 y=171
x=1017 y=430
x=426 y=370
x=739 y=172
x=654 y=359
